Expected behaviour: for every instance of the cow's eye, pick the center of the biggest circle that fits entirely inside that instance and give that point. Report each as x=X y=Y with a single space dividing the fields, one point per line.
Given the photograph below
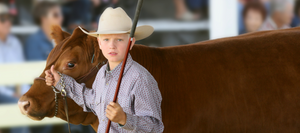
x=70 y=65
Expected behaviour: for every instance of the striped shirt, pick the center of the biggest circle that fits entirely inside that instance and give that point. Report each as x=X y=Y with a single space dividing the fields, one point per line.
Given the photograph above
x=139 y=97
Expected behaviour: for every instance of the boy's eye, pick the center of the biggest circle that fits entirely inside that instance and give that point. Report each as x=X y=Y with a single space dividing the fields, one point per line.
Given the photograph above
x=120 y=40
x=105 y=40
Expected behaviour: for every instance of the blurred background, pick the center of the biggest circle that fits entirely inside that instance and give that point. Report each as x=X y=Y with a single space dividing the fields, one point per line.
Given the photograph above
x=25 y=27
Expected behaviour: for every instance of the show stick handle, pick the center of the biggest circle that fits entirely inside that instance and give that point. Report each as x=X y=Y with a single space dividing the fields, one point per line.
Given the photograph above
x=134 y=24
x=136 y=18
x=120 y=80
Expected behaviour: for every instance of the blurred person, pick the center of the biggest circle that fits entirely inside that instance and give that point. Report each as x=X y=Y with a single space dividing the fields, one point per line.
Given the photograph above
x=296 y=19
x=197 y=6
x=45 y=14
x=241 y=6
x=241 y=23
x=254 y=14
x=266 y=3
x=10 y=52
x=39 y=45
x=76 y=13
x=281 y=12
x=96 y=11
x=184 y=9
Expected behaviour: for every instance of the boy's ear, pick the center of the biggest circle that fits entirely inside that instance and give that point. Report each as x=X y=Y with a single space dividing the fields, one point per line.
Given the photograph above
x=133 y=42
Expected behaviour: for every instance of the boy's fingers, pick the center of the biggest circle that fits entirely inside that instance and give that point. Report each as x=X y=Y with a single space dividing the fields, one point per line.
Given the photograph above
x=49 y=83
x=115 y=105
x=108 y=116
x=48 y=76
x=109 y=107
x=112 y=109
x=47 y=72
x=112 y=104
x=107 y=111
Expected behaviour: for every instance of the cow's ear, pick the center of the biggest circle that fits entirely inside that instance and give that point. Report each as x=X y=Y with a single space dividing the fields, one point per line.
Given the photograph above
x=76 y=36
x=58 y=34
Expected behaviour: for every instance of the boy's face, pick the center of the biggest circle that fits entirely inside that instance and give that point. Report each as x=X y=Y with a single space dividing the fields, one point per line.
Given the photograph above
x=114 y=46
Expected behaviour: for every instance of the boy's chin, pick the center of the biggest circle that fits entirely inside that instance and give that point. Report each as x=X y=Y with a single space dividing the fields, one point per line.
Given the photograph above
x=115 y=60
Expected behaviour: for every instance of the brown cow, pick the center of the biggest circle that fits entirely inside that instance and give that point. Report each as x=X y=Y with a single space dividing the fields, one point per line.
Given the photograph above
x=39 y=102
x=248 y=83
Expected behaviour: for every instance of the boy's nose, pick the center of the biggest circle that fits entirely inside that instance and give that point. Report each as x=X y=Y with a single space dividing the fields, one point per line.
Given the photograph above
x=112 y=45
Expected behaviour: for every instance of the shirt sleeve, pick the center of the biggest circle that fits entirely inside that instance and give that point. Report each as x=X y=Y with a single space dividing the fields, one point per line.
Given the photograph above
x=32 y=50
x=19 y=51
x=147 y=106
x=82 y=95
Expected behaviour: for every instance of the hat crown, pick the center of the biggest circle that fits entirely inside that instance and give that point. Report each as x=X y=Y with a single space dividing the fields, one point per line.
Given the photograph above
x=114 y=20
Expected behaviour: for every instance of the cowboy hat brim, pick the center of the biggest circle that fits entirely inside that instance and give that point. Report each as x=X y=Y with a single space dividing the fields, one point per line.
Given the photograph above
x=141 y=32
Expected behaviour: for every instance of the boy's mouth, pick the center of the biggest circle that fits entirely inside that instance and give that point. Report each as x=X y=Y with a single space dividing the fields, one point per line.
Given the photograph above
x=112 y=53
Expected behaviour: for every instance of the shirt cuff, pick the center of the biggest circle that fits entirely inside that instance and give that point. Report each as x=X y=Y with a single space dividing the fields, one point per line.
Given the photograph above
x=129 y=125
x=58 y=85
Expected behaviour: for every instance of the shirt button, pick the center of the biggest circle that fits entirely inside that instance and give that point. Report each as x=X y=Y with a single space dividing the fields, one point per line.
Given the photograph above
x=102 y=119
x=106 y=83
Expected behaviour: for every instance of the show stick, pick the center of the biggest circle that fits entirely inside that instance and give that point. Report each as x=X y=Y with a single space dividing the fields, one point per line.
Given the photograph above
x=135 y=20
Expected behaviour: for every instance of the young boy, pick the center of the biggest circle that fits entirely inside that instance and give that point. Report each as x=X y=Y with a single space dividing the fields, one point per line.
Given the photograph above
x=138 y=107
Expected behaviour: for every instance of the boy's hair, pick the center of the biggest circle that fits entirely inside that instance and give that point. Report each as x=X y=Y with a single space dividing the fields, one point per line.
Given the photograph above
x=125 y=33
x=297 y=7
x=41 y=9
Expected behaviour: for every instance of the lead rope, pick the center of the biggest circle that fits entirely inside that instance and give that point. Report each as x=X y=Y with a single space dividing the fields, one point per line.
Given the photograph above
x=64 y=95
x=56 y=101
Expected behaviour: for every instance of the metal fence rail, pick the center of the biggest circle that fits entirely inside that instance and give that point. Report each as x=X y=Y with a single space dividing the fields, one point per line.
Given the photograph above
x=11 y=117
x=16 y=74
x=20 y=73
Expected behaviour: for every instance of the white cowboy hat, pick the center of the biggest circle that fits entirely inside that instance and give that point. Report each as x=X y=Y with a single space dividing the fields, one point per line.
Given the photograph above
x=116 y=21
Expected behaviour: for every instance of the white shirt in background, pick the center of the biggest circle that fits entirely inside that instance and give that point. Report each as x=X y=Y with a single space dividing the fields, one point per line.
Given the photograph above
x=11 y=51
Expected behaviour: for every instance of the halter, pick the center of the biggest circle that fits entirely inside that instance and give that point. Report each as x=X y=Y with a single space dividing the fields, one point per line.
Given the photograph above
x=81 y=79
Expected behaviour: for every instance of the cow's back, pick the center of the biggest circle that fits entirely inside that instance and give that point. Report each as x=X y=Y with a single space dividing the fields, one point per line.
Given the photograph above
x=248 y=83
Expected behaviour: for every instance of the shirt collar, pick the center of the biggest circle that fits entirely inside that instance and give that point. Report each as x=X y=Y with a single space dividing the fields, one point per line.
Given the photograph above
x=274 y=25
x=6 y=41
x=116 y=72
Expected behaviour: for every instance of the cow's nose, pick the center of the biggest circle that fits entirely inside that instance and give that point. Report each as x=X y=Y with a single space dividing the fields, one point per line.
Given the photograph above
x=24 y=105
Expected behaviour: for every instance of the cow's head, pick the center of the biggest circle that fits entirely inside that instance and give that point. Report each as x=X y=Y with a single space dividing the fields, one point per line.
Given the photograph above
x=72 y=56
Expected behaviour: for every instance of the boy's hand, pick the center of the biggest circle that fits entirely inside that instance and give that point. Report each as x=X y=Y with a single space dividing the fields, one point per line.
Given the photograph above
x=51 y=77
x=115 y=113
